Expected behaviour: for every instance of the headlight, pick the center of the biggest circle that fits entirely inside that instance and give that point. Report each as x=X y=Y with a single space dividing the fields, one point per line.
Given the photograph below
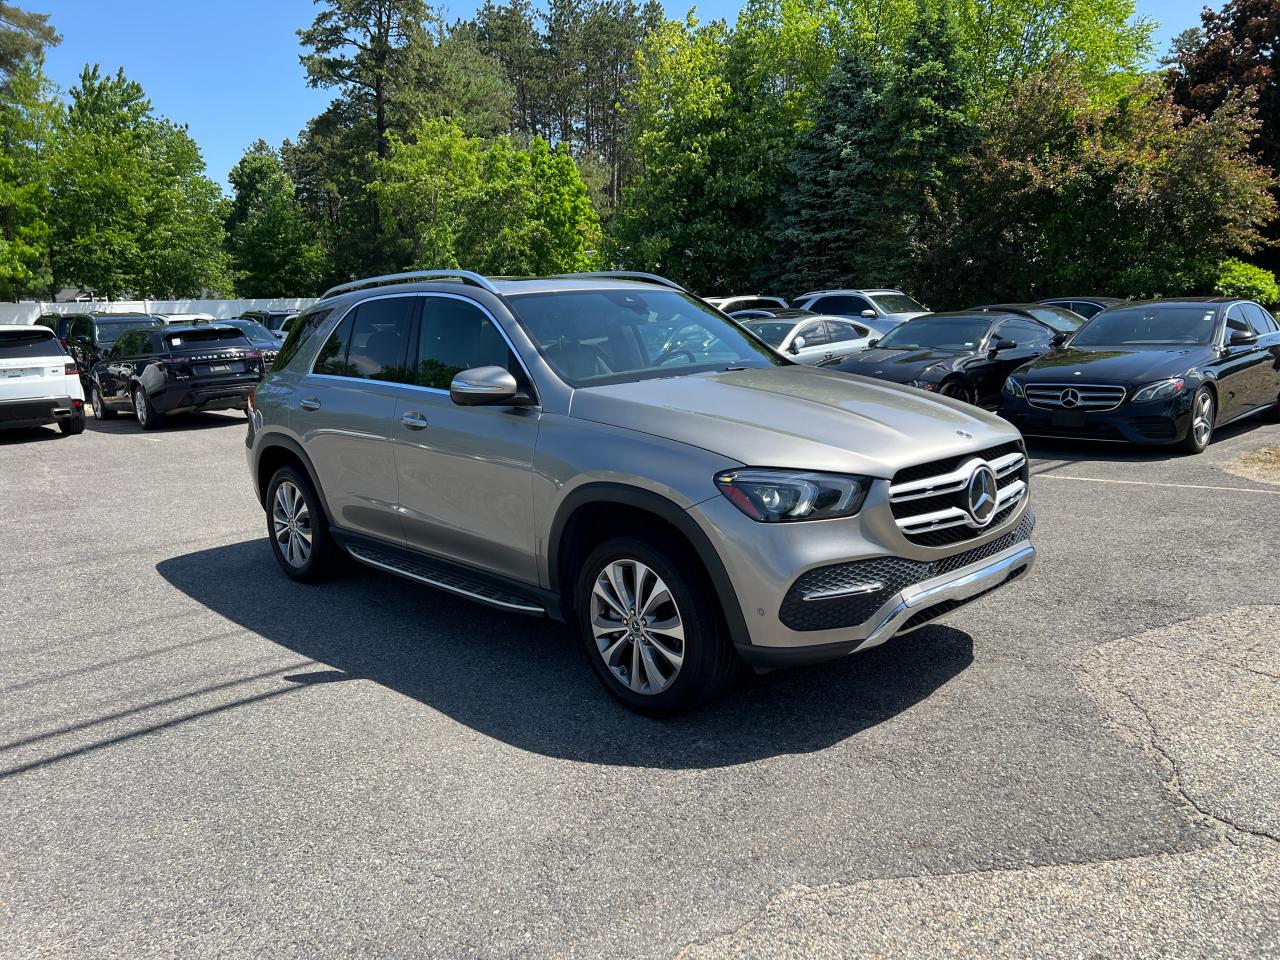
x=780 y=496
x=1013 y=388
x=1159 y=390
x=924 y=385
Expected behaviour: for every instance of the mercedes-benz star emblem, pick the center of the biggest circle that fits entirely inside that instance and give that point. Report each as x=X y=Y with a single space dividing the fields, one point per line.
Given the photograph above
x=981 y=495
x=1070 y=398
x=965 y=434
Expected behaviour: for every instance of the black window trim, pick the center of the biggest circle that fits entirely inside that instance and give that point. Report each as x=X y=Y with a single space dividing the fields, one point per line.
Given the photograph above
x=413 y=339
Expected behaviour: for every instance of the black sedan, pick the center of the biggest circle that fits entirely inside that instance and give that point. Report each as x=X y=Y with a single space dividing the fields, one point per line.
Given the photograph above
x=1166 y=372
x=965 y=355
x=1059 y=319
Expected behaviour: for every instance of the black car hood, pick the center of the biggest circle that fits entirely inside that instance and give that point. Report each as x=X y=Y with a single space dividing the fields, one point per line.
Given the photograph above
x=900 y=366
x=1119 y=365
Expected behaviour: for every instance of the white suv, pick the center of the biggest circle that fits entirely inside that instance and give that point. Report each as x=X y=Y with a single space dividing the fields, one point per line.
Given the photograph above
x=38 y=381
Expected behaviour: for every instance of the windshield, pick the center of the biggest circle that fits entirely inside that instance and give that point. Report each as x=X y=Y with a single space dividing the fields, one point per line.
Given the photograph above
x=938 y=332
x=896 y=303
x=208 y=339
x=770 y=331
x=255 y=330
x=1150 y=326
x=1060 y=320
x=612 y=336
x=108 y=331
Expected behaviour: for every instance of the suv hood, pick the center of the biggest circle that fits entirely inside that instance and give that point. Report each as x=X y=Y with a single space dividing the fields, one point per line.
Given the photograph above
x=1113 y=364
x=797 y=416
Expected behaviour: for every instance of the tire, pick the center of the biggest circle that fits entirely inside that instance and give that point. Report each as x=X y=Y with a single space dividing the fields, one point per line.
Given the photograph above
x=291 y=495
x=694 y=628
x=1204 y=410
x=147 y=416
x=956 y=390
x=72 y=425
x=100 y=410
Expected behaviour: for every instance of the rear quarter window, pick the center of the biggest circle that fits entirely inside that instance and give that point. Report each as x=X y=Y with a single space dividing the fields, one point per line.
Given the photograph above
x=300 y=332
x=37 y=342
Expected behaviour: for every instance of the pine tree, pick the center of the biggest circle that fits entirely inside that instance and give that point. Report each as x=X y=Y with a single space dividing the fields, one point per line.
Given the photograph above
x=829 y=217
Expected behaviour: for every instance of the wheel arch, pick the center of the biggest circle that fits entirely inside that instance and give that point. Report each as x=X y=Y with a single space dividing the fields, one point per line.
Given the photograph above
x=595 y=511
x=275 y=451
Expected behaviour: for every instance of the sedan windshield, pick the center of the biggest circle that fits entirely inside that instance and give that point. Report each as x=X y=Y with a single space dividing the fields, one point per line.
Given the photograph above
x=612 y=336
x=936 y=333
x=1150 y=326
x=770 y=331
x=897 y=303
x=1058 y=319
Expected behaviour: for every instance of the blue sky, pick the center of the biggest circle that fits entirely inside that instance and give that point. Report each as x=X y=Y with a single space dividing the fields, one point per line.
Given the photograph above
x=229 y=68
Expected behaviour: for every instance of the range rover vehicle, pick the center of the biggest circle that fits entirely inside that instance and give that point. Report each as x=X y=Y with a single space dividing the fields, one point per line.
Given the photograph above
x=965 y=355
x=1163 y=372
x=38 y=381
x=517 y=442
x=154 y=373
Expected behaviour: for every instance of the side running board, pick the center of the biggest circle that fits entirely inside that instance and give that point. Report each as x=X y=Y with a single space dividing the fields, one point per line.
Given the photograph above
x=437 y=576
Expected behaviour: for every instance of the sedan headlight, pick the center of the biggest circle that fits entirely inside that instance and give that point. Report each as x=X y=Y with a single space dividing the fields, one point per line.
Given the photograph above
x=1159 y=390
x=780 y=496
x=1013 y=388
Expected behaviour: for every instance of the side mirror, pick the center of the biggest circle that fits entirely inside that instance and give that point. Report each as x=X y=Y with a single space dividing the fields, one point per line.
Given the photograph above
x=872 y=344
x=1242 y=338
x=1001 y=345
x=870 y=314
x=796 y=345
x=1058 y=339
x=484 y=386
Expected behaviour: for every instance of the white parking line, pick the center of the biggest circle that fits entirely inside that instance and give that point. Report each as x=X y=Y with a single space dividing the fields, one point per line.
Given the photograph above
x=1152 y=483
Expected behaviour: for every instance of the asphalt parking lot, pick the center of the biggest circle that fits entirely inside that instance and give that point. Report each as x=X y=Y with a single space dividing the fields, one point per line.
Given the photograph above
x=201 y=758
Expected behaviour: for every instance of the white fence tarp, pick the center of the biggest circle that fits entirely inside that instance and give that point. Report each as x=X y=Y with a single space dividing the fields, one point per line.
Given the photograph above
x=221 y=309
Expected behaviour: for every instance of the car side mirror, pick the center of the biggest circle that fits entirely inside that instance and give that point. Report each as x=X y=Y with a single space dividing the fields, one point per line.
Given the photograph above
x=796 y=345
x=869 y=314
x=1002 y=345
x=872 y=344
x=1058 y=339
x=1242 y=338
x=484 y=386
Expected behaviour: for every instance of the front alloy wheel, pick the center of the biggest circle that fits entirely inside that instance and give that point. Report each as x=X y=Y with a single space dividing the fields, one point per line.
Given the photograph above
x=637 y=626
x=1203 y=410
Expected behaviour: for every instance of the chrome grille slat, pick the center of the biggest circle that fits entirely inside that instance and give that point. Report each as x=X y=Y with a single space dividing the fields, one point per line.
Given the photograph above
x=930 y=501
x=953 y=481
x=1094 y=397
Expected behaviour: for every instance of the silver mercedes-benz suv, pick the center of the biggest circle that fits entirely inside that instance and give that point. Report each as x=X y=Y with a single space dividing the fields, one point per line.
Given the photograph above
x=609 y=451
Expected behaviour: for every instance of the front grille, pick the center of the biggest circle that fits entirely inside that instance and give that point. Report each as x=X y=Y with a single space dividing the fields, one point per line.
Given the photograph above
x=1093 y=397
x=929 y=501
x=814 y=601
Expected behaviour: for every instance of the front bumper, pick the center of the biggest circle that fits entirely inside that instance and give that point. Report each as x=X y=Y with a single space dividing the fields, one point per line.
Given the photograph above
x=16 y=414
x=779 y=570
x=1155 y=422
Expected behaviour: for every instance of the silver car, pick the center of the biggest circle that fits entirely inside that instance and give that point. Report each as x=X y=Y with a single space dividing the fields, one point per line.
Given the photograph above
x=809 y=338
x=566 y=447
x=882 y=310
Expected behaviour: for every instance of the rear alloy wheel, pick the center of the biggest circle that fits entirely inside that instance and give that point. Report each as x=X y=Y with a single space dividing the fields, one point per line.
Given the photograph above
x=100 y=409
x=651 y=628
x=148 y=419
x=297 y=527
x=955 y=390
x=1203 y=412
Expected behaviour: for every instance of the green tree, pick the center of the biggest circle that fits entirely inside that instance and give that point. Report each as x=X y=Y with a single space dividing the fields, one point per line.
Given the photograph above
x=1066 y=193
x=23 y=39
x=272 y=250
x=131 y=209
x=27 y=117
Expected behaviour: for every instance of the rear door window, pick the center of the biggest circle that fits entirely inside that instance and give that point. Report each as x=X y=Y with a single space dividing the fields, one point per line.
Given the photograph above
x=379 y=338
x=38 y=342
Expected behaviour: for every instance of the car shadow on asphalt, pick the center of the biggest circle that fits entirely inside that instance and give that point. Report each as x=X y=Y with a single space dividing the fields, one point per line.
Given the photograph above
x=524 y=682
x=183 y=423
x=29 y=435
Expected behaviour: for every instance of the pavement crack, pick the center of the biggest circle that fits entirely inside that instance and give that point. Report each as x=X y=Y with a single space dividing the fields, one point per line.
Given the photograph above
x=1176 y=784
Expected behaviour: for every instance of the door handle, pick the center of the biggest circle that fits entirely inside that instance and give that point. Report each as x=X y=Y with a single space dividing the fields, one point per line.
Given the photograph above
x=309 y=403
x=414 y=420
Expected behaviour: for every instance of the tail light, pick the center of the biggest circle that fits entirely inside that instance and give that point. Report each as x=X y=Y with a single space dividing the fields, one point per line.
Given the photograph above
x=71 y=370
x=63 y=341
x=249 y=399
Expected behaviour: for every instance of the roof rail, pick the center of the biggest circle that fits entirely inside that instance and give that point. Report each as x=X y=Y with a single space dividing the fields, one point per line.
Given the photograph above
x=466 y=276
x=621 y=275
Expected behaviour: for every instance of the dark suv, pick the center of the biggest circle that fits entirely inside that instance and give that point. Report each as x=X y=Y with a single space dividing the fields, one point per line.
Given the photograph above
x=157 y=372
x=543 y=446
